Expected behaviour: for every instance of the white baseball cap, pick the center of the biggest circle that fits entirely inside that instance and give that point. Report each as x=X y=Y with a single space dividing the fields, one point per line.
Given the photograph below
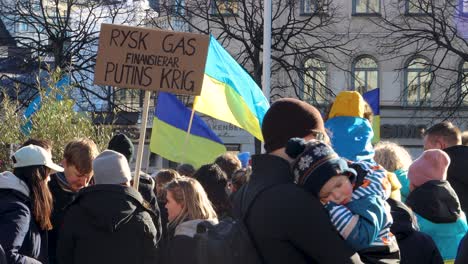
x=33 y=155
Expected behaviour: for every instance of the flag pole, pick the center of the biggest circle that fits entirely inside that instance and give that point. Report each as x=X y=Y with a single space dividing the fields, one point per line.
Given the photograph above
x=189 y=128
x=141 y=142
x=266 y=71
x=266 y=48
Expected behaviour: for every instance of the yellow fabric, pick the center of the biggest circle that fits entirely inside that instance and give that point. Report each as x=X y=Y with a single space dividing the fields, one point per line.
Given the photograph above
x=396 y=186
x=348 y=103
x=222 y=102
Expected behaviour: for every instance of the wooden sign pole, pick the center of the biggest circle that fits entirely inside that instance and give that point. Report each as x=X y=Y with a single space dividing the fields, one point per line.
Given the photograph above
x=141 y=142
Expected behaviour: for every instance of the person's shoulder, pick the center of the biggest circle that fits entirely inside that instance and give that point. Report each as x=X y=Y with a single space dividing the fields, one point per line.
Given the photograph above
x=11 y=199
x=14 y=206
x=289 y=196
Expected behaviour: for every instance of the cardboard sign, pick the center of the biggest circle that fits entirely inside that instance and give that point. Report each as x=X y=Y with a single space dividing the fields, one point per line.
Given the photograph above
x=151 y=59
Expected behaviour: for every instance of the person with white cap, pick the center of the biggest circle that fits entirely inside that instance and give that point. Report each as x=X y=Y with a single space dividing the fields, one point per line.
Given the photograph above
x=108 y=222
x=26 y=205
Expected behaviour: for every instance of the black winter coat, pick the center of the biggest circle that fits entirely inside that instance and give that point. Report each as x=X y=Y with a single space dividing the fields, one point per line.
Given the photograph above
x=288 y=224
x=21 y=238
x=107 y=224
x=62 y=198
x=457 y=173
x=415 y=246
x=181 y=246
x=462 y=255
x=2 y=256
x=146 y=189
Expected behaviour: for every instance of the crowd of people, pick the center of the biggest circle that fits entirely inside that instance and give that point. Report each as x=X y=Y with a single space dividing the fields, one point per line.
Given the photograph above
x=322 y=193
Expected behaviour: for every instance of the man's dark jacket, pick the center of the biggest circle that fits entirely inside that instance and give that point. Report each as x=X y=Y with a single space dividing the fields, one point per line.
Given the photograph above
x=146 y=189
x=2 y=256
x=288 y=224
x=108 y=224
x=415 y=246
x=62 y=196
x=462 y=255
x=457 y=174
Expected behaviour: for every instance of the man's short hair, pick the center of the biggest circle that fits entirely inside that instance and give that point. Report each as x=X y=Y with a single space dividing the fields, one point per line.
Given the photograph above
x=185 y=169
x=229 y=163
x=447 y=131
x=81 y=153
x=465 y=138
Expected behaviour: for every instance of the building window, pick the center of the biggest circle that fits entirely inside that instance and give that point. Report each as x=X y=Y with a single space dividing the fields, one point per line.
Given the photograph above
x=464 y=83
x=224 y=7
x=315 y=81
x=21 y=27
x=366 y=7
x=179 y=7
x=365 y=72
x=464 y=7
x=309 y=7
x=418 y=79
x=418 y=7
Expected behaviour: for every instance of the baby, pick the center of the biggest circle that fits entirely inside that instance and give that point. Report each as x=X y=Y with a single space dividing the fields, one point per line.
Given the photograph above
x=360 y=214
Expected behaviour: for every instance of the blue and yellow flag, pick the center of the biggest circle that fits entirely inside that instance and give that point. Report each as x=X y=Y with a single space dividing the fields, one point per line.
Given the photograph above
x=373 y=99
x=229 y=93
x=169 y=136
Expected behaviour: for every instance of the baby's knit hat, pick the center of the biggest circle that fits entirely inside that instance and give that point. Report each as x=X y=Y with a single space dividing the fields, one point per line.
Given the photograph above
x=315 y=163
x=431 y=165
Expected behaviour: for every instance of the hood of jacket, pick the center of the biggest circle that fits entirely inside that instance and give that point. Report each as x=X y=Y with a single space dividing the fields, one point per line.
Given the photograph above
x=403 y=220
x=189 y=228
x=458 y=167
x=348 y=103
x=9 y=181
x=436 y=201
x=108 y=206
x=351 y=137
x=60 y=180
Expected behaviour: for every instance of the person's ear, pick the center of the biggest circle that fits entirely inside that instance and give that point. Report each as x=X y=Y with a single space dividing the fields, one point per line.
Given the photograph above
x=441 y=143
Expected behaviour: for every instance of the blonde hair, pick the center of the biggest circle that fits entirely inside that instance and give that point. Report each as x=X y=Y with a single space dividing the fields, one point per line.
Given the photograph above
x=392 y=156
x=189 y=193
x=81 y=153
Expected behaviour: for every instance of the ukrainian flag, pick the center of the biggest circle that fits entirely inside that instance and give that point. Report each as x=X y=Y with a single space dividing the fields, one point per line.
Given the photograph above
x=229 y=93
x=169 y=135
x=373 y=99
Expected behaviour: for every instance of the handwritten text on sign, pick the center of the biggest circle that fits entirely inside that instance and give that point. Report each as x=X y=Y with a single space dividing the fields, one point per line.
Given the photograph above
x=150 y=59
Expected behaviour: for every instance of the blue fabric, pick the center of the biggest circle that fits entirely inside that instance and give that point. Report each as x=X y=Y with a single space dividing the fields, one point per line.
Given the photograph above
x=221 y=66
x=20 y=237
x=173 y=112
x=351 y=137
x=372 y=220
x=368 y=202
x=373 y=99
x=402 y=176
x=447 y=236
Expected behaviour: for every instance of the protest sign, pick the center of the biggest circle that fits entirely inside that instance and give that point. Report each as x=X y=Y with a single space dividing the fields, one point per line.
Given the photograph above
x=151 y=59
